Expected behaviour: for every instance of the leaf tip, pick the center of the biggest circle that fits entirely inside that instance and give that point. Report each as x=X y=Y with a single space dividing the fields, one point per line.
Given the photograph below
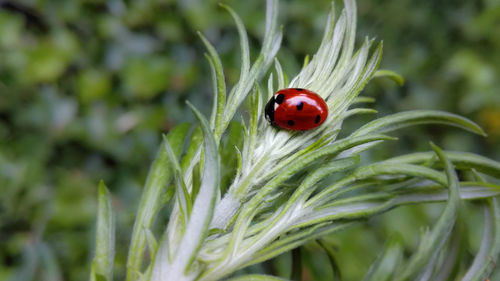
x=103 y=189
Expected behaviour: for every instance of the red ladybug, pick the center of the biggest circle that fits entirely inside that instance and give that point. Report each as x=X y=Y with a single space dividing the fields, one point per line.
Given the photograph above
x=296 y=109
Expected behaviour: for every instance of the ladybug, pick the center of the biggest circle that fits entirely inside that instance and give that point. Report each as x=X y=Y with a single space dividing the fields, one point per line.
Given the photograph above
x=296 y=109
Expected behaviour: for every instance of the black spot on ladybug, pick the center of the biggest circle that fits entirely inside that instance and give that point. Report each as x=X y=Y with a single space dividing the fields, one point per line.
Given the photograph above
x=279 y=98
x=270 y=110
x=290 y=122
x=299 y=89
x=300 y=105
x=318 y=118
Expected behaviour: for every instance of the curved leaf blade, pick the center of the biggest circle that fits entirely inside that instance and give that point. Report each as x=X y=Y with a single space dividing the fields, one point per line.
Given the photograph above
x=391 y=75
x=201 y=214
x=386 y=264
x=485 y=260
x=416 y=117
x=461 y=160
x=431 y=243
x=156 y=182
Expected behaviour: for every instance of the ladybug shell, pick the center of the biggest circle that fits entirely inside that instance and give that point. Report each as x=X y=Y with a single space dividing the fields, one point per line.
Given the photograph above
x=296 y=109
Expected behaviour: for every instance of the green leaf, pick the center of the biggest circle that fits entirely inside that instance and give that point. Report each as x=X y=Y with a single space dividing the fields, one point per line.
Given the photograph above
x=485 y=261
x=189 y=158
x=181 y=191
x=435 y=193
x=369 y=171
x=452 y=254
x=102 y=264
x=363 y=100
x=331 y=257
x=272 y=36
x=230 y=160
x=344 y=210
x=417 y=117
x=248 y=211
x=196 y=182
x=96 y=277
x=156 y=183
x=203 y=207
x=270 y=46
x=255 y=108
x=309 y=184
x=201 y=214
x=151 y=242
x=461 y=160
x=256 y=277
x=299 y=160
x=219 y=87
x=391 y=75
x=386 y=264
x=356 y=111
x=432 y=243
x=245 y=52
x=241 y=89
x=279 y=74
x=307 y=187
x=367 y=205
x=295 y=239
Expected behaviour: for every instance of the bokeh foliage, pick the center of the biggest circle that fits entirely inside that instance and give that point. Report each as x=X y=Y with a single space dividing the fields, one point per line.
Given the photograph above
x=87 y=86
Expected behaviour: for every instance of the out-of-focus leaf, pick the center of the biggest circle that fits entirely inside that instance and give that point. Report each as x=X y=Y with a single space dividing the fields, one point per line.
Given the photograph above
x=147 y=77
x=102 y=264
x=332 y=258
x=387 y=262
x=485 y=261
x=93 y=85
x=391 y=75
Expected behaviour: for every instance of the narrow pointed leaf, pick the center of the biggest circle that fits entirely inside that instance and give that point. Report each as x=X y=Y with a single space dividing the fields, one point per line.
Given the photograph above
x=304 y=158
x=201 y=214
x=181 y=192
x=246 y=213
x=461 y=160
x=369 y=171
x=156 y=182
x=102 y=265
x=485 y=261
x=432 y=242
x=296 y=239
x=245 y=52
x=417 y=117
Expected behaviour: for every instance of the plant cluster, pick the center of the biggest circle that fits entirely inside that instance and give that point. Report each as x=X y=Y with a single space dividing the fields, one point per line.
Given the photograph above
x=242 y=196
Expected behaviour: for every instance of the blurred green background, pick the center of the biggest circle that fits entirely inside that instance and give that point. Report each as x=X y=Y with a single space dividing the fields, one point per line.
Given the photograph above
x=88 y=86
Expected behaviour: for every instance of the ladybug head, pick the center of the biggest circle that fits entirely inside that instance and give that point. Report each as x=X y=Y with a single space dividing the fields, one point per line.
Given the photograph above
x=269 y=111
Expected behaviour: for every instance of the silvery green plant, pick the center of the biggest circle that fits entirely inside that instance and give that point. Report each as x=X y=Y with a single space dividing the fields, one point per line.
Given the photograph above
x=281 y=195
